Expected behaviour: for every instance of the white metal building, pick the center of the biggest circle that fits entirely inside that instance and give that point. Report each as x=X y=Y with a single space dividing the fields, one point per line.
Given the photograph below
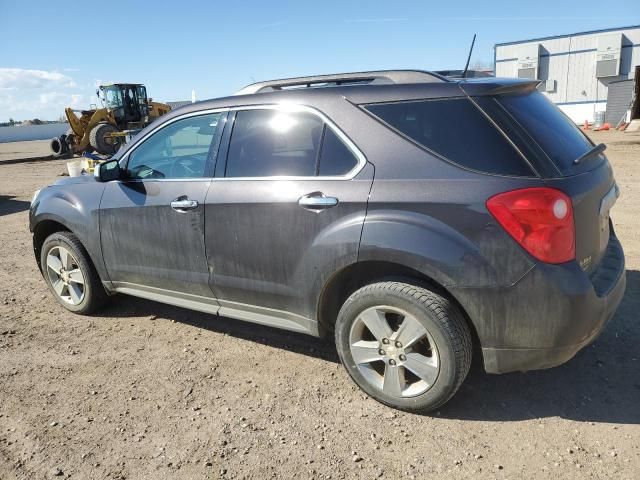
x=582 y=73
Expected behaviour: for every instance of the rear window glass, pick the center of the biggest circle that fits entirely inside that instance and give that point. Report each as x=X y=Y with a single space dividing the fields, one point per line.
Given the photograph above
x=456 y=130
x=556 y=134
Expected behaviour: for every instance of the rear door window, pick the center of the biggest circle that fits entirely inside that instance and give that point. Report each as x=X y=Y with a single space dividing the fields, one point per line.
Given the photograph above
x=276 y=143
x=268 y=143
x=456 y=130
x=552 y=130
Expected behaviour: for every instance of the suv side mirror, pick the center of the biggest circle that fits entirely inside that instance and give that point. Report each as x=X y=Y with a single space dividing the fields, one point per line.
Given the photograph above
x=107 y=171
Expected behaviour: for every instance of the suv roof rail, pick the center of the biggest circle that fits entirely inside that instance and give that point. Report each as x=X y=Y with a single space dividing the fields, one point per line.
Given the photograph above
x=377 y=77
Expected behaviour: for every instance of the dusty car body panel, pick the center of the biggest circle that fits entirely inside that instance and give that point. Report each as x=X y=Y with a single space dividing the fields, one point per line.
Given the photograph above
x=145 y=242
x=250 y=221
x=520 y=330
x=74 y=203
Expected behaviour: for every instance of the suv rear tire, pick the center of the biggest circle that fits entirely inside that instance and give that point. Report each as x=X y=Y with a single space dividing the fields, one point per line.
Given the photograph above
x=70 y=275
x=406 y=346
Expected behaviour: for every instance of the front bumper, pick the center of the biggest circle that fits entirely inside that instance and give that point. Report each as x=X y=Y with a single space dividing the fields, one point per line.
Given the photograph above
x=549 y=315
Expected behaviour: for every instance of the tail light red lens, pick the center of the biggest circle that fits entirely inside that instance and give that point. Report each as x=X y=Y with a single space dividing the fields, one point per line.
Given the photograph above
x=540 y=220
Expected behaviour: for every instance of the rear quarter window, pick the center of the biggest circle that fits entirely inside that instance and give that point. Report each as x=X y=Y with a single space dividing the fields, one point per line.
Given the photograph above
x=457 y=131
x=335 y=157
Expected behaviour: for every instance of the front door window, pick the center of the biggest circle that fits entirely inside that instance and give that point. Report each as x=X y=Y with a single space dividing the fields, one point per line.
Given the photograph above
x=179 y=150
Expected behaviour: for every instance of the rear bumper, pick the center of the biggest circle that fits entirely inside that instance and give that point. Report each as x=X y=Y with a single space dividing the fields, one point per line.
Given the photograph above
x=503 y=360
x=549 y=315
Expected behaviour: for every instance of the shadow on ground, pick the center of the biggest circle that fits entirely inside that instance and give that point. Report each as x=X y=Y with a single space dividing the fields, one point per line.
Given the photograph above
x=601 y=384
x=295 y=342
x=14 y=161
x=9 y=205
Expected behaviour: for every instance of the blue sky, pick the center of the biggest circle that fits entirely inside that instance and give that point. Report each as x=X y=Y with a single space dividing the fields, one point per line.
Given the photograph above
x=53 y=53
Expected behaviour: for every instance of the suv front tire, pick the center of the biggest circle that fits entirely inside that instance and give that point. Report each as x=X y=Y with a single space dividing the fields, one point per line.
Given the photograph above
x=404 y=345
x=70 y=275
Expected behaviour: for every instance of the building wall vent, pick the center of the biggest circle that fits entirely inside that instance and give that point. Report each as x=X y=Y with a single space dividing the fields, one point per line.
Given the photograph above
x=608 y=55
x=528 y=60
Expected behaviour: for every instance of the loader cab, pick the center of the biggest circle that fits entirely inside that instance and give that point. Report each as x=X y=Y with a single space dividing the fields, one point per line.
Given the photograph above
x=128 y=102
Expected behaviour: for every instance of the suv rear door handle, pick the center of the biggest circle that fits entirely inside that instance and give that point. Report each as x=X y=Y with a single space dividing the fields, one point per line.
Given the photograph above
x=182 y=204
x=317 y=201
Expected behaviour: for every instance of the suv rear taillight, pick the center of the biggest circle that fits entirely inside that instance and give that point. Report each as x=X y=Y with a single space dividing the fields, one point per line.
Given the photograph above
x=540 y=220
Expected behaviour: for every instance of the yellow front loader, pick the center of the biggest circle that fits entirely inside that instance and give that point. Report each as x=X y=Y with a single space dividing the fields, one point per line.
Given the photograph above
x=104 y=130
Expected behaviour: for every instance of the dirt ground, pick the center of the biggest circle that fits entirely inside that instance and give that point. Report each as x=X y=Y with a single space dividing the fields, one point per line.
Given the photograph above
x=145 y=390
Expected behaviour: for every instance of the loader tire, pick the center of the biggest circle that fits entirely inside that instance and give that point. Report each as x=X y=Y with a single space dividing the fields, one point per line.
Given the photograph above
x=58 y=146
x=99 y=140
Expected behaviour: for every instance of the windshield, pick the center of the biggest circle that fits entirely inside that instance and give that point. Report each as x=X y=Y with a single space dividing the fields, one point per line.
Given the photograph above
x=552 y=130
x=112 y=97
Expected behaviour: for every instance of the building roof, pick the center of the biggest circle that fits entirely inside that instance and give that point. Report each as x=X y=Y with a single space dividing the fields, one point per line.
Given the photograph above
x=589 y=32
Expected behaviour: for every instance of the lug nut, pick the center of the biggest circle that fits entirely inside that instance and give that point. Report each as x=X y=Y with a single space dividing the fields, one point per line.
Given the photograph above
x=403 y=358
x=381 y=352
x=392 y=362
x=385 y=341
x=398 y=345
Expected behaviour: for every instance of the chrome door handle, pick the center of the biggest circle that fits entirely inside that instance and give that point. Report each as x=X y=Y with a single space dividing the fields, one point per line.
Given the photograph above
x=317 y=201
x=184 y=204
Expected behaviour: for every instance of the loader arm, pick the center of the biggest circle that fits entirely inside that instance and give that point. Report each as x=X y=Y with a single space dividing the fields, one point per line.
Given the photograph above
x=74 y=122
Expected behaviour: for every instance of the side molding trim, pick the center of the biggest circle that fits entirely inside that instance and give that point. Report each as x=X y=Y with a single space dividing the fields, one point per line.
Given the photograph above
x=240 y=311
x=268 y=316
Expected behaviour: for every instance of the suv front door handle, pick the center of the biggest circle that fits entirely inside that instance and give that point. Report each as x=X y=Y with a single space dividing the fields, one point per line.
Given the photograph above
x=317 y=201
x=183 y=204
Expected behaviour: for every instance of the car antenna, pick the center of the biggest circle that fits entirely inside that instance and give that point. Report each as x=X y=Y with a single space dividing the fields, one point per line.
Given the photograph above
x=466 y=67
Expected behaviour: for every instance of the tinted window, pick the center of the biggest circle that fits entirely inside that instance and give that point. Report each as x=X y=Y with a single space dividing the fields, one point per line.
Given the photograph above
x=268 y=143
x=456 y=130
x=179 y=150
x=335 y=156
x=558 y=136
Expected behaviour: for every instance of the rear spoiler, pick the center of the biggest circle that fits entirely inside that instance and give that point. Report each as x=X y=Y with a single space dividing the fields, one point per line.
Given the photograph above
x=499 y=86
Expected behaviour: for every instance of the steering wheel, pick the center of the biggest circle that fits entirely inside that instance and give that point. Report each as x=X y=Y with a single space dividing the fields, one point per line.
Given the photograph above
x=188 y=166
x=145 y=171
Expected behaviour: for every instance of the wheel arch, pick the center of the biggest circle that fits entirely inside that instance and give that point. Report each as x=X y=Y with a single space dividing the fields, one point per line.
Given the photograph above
x=50 y=225
x=41 y=231
x=356 y=275
x=73 y=206
x=93 y=294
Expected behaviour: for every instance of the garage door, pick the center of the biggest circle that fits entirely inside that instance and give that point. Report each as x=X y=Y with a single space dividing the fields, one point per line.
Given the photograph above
x=618 y=100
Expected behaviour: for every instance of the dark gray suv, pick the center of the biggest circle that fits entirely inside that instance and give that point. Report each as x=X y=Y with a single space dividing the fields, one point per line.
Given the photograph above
x=414 y=216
